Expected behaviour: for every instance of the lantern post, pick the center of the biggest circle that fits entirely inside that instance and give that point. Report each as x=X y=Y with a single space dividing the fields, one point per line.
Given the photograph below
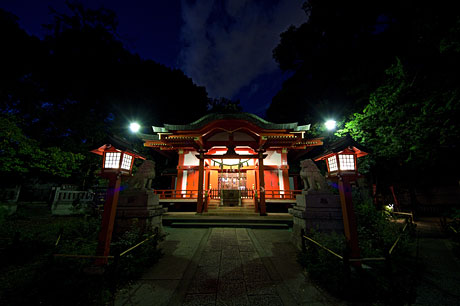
x=341 y=161
x=115 y=164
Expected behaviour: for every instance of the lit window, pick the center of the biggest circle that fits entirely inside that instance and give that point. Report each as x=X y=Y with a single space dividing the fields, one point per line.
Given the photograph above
x=332 y=161
x=126 y=164
x=112 y=160
x=347 y=162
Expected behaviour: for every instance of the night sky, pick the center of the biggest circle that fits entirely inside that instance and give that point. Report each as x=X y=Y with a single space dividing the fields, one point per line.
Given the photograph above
x=224 y=45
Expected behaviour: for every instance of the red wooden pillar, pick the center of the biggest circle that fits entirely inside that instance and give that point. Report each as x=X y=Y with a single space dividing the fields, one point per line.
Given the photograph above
x=207 y=179
x=108 y=218
x=262 y=208
x=349 y=217
x=199 y=206
x=180 y=173
x=256 y=193
x=285 y=173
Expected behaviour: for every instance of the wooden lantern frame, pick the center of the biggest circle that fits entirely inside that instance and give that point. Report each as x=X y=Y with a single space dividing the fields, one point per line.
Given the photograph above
x=123 y=164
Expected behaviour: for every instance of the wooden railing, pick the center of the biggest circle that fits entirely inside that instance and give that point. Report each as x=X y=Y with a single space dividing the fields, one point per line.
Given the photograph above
x=177 y=194
x=215 y=194
x=281 y=194
x=245 y=194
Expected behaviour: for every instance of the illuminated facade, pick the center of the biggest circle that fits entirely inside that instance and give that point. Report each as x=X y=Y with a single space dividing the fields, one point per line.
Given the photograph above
x=231 y=159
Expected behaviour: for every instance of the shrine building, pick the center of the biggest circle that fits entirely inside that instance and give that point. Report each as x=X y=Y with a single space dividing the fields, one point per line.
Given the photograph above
x=235 y=159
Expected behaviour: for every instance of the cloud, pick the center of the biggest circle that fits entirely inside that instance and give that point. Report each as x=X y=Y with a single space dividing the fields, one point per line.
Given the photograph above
x=229 y=43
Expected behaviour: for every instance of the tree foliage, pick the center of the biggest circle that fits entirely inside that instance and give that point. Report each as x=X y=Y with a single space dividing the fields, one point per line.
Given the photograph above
x=340 y=54
x=410 y=121
x=388 y=70
x=224 y=105
x=20 y=154
x=77 y=85
x=337 y=57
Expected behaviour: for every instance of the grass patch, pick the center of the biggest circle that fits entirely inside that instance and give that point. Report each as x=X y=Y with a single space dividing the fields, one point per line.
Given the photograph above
x=30 y=275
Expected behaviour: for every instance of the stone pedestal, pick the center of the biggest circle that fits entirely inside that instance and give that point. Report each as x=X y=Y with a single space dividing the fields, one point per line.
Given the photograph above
x=138 y=208
x=314 y=210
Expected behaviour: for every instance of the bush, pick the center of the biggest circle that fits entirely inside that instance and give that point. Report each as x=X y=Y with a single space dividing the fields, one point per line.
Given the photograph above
x=3 y=214
x=325 y=268
x=132 y=265
x=390 y=282
x=454 y=231
x=31 y=275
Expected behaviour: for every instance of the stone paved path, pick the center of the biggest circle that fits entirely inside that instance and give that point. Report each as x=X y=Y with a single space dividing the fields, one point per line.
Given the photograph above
x=440 y=281
x=225 y=266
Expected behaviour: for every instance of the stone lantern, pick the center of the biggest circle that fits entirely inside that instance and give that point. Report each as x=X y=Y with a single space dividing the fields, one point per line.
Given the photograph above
x=341 y=160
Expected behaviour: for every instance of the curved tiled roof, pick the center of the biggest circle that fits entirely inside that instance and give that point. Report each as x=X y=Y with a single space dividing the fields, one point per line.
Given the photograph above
x=224 y=116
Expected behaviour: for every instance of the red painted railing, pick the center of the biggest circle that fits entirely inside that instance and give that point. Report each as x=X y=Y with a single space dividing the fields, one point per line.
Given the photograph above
x=281 y=194
x=215 y=194
x=177 y=194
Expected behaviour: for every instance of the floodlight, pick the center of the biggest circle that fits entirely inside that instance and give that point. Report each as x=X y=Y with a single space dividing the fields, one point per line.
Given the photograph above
x=330 y=124
x=134 y=127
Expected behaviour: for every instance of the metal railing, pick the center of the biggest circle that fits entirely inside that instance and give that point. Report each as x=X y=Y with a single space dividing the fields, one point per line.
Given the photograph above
x=140 y=243
x=345 y=259
x=115 y=257
x=407 y=215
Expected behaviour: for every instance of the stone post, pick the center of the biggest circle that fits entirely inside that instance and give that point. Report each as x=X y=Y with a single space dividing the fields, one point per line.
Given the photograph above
x=138 y=205
x=139 y=208
x=317 y=207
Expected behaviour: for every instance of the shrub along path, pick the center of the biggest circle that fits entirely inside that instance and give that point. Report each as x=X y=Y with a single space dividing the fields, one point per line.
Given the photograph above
x=225 y=266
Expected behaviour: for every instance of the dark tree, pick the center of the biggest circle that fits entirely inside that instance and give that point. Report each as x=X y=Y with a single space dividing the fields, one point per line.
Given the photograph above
x=80 y=84
x=339 y=56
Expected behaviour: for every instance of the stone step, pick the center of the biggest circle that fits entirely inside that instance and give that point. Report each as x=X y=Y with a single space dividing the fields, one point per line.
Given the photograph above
x=231 y=213
x=229 y=224
x=220 y=208
x=225 y=219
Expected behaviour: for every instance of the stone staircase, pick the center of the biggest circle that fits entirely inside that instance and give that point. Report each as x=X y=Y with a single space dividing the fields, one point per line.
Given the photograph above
x=246 y=203
x=236 y=217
